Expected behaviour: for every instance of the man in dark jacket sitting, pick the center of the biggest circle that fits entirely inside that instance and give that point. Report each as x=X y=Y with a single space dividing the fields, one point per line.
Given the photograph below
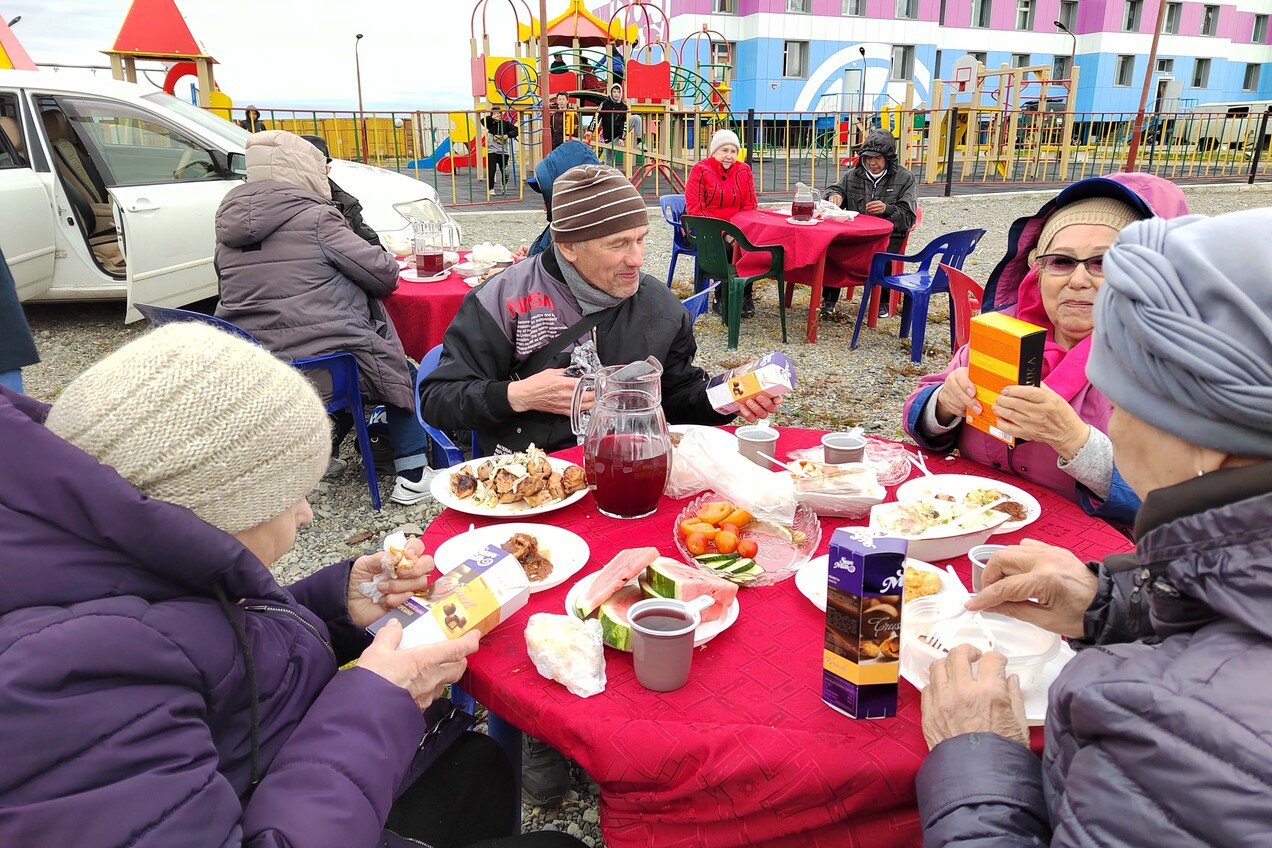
x=876 y=185
x=349 y=205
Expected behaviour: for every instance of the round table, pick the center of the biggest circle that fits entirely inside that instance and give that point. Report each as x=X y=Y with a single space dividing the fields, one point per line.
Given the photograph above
x=746 y=753
x=828 y=253
x=421 y=312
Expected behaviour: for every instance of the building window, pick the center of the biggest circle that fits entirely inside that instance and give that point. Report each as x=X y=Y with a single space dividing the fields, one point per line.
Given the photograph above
x=1260 y=29
x=1020 y=60
x=797 y=5
x=936 y=67
x=1124 y=70
x=1069 y=14
x=981 y=10
x=1201 y=73
x=1251 y=81
x=1024 y=14
x=724 y=7
x=1171 y=24
x=795 y=59
x=907 y=9
x=902 y=62
x=981 y=57
x=1165 y=66
x=854 y=8
x=724 y=54
x=1131 y=15
x=1209 y=20
x=1060 y=67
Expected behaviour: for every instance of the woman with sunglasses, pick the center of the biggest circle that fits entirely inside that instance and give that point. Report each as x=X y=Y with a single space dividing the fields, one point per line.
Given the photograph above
x=1049 y=277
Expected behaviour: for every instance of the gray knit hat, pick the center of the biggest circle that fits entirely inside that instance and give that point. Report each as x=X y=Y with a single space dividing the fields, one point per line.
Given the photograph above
x=193 y=416
x=721 y=138
x=593 y=201
x=1183 y=329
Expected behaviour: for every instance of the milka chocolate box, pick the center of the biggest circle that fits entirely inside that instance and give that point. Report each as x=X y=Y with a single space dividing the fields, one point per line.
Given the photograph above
x=862 y=652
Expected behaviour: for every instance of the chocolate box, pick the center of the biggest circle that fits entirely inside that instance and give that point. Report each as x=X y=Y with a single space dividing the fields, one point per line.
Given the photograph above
x=862 y=652
x=1002 y=351
x=484 y=590
x=772 y=373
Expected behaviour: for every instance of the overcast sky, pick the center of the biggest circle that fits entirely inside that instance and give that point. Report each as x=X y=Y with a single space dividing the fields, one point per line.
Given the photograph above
x=295 y=53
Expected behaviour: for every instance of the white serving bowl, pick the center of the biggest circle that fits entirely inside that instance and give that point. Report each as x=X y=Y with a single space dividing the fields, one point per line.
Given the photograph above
x=472 y=269
x=942 y=542
x=1028 y=648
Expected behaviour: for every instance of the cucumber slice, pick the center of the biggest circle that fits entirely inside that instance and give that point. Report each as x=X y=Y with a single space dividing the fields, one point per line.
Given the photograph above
x=714 y=559
x=739 y=566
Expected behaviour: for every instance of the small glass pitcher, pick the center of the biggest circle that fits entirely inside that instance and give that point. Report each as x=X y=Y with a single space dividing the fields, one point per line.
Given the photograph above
x=429 y=254
x=805 y=203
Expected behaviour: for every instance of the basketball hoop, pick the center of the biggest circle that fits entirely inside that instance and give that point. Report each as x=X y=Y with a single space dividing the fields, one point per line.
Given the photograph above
x=965 y=71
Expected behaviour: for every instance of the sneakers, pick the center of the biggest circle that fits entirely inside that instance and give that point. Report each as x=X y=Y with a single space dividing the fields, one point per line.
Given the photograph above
x=335 y=467
x=748 y=307
x=407 y=492
x=545 y=775
x=827 y=311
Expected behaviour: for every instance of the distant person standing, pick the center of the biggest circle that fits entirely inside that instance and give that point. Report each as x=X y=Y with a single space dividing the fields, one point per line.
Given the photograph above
x=499 y=135
x=561 y=120
x=611 y=122
x=17 y=348
x=252 y=121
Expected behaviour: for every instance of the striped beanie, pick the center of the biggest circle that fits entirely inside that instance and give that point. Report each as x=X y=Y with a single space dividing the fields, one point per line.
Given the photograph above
x=593 y=201
x=194 y=416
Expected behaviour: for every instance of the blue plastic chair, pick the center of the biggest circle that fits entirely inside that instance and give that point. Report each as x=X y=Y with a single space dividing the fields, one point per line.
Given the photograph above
x=342 y=367
x=673 y=206
x=919 y=285
x=443 y=452
x=697 y=303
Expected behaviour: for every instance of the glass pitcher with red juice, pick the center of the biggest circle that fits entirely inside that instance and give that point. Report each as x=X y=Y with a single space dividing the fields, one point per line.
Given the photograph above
x=429 y=257
x=805 y=203
x=626 y=444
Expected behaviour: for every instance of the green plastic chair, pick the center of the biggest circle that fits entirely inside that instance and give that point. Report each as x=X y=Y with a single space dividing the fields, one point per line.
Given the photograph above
x=714 y=264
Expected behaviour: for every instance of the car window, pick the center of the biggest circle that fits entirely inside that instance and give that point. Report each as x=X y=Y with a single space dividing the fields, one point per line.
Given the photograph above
x=12 y=144
x=227 y=130
x=133 y=146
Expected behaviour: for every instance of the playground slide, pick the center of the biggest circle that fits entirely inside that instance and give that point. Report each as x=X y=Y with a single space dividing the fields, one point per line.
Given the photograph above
x=443 y=150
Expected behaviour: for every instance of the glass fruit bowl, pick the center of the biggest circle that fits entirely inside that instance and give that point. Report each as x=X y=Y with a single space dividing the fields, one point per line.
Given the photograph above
x=781 y=550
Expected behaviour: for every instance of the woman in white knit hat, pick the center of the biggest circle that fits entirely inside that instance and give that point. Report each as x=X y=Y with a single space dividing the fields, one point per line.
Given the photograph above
x=721 y=186
x=157 y=681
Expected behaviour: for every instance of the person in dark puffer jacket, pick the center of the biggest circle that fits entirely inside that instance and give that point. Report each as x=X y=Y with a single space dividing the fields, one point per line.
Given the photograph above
x=1158 y=733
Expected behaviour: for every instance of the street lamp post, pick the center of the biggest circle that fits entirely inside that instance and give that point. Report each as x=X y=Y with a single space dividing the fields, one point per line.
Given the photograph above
x=861 y=103
x=1073 y=54
x=14 y=21
x=362 y=116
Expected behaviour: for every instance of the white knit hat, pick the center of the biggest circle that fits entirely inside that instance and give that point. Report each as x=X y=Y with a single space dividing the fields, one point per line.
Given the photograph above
x=193 y=416
x=721 y=138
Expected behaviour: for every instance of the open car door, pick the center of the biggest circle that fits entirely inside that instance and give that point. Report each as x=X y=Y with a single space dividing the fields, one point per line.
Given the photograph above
x=27 y=232
x=167 y=235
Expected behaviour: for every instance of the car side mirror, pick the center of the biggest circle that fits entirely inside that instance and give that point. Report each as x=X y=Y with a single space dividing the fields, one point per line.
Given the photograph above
x=231 y=164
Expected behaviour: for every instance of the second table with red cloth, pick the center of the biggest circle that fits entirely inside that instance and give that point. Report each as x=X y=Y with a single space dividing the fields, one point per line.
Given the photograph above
x=746 y=753
x=421 y=312
x=828 y=253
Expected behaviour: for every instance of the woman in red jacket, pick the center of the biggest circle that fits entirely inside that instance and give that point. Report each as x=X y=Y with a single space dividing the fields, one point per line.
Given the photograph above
x=720 y=187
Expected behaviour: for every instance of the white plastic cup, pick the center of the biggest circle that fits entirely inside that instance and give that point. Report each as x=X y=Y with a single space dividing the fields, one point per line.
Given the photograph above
x=753 y=441
x=840 y=448
x=979 y=557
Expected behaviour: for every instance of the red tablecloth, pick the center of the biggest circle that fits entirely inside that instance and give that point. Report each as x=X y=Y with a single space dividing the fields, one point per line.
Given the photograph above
x=746 y=753
x=828 y=253
x=421 y=312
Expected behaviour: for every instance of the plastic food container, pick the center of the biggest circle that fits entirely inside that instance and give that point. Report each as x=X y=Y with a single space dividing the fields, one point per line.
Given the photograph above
x=1028 y=648
x=941 y=542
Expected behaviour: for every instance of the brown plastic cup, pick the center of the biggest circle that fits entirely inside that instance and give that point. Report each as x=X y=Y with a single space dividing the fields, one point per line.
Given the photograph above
x=840 y=448
x=663 y=632
x=753 y=440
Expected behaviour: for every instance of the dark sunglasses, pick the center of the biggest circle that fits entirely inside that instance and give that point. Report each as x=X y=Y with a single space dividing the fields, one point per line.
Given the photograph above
x=1062 y=265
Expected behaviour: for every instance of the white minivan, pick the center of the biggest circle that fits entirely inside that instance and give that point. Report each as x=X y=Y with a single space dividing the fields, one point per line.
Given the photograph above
x=109 y=190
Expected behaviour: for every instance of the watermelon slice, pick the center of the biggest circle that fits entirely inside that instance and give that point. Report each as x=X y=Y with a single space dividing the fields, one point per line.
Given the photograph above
x=672 y=579
x=616 y=630
x=623 y=567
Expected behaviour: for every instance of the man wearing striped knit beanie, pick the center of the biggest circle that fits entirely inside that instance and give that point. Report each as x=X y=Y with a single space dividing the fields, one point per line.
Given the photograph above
x=514 y=352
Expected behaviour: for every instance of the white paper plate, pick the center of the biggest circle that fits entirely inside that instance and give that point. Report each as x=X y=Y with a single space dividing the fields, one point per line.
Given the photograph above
x=1036 y=700
x=704 y=634
x=567 y=551
x=440 y=488
x=923 y=488
x=413 y=276
x=812 y=575
x=812 y=222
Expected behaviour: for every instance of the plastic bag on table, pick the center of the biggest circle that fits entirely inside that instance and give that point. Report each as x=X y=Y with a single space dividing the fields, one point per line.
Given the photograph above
x=567 y=650
x=711 y=462
x=684 y=481
x=888 y=459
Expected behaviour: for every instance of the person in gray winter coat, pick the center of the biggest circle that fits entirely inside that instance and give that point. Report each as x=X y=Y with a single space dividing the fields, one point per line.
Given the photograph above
x=877 y=185
x=293 y=274
x=349 y=206
x=1160 y=731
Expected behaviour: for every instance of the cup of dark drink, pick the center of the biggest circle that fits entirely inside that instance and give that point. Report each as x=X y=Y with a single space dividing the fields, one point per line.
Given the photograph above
x=663 y=631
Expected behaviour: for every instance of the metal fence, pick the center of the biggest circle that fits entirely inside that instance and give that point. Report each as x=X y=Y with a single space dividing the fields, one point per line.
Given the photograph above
x=989 y=147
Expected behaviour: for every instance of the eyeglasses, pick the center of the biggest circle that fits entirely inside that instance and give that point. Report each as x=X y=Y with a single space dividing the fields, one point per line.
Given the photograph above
x=1062 y=265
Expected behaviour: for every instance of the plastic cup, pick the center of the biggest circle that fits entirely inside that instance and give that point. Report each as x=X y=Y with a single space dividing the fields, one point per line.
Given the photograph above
x=753 y=441
x=662 y=642
x=979 y=556
x=843 y=447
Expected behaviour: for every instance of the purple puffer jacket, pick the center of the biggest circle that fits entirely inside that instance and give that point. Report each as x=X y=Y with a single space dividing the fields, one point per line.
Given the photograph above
x=124 y=697
x=1159 y=733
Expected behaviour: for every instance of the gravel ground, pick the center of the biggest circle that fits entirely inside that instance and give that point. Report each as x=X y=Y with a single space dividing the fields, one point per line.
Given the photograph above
x=838 y=387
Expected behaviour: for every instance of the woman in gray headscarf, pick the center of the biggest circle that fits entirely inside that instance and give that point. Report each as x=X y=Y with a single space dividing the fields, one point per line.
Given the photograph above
x=1162 y=736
